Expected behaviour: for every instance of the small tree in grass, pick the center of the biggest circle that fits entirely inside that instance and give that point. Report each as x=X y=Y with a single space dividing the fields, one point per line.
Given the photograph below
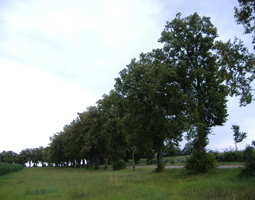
x=249 y=167
x=201 y=162
x=238 y=136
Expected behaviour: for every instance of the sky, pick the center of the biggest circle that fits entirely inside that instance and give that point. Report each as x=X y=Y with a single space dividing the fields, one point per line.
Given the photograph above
x=58 y=57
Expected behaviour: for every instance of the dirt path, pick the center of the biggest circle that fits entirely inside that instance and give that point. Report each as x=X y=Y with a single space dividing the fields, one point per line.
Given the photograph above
x=178 y=167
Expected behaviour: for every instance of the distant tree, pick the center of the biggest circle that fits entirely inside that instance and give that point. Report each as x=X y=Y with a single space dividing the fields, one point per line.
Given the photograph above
x=245 y=15
x=2 y=157
x=253 y=143
x=94 y=142
x=56 y=152
x=171 y=149
x=72 y=142
x=26 y=154
x=238 y=136
x=111 y=110
x=8 y=156
x=45 y=155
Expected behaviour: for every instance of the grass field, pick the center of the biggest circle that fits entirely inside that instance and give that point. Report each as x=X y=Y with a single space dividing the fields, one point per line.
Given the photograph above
x=68 y=183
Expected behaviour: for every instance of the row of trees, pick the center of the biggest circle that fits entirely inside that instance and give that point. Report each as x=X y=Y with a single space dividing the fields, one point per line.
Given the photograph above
x=29 y=156
x=182 y=87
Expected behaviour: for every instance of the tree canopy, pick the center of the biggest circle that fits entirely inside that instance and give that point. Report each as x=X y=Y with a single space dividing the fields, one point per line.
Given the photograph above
x=245 y=15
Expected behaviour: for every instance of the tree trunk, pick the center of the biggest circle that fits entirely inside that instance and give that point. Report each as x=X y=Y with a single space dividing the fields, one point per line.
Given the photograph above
x=133 y=159
x=148 y=158
x=89 y=164
x=97 y=161
x=160 y=156
x=83 y=163
x=78 y=163
x=201 y=139
x=106 y=160
x=237 y=153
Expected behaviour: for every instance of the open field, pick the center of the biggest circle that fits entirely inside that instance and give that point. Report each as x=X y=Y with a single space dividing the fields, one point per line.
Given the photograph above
x=144 y=183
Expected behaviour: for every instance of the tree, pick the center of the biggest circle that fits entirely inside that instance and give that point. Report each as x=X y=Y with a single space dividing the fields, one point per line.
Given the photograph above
x=94 y=142
x=207 y=71
x=189 y=148
x=253 y=143
x=8 y=156
x=72 y=143
x=56 y=152
x=238 y=136
x=153 y=106
x=245 y=15
x=111 y=110
x=26 y=154
x=171 y=149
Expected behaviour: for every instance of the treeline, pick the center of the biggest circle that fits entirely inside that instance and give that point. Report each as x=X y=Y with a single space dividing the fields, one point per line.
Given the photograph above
x=33 y=155
x=179 y=88
x=182 y=87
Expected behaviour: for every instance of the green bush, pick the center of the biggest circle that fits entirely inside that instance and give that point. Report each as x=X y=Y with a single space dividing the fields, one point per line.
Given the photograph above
x=200 y=162
x=249 y=167
x=160 y=167
x=119 y=165
x=8 y=168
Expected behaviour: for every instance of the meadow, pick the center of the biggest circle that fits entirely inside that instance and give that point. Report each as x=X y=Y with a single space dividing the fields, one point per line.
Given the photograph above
x=144 y=183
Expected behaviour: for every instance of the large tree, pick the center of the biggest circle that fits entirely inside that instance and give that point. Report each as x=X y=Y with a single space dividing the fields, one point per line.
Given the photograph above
x=111 y=111
x=93 y=141
x=152 y=107
x=207 y=71
x=245 y=15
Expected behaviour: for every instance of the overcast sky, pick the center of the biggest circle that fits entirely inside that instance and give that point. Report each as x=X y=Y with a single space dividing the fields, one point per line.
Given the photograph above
x=58 y=57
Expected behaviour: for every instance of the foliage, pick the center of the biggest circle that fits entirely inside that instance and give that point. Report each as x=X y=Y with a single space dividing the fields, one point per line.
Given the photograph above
x=118 y=165
x=245 y=16
x=171 y=149
x=8 y=168
x=200 y=162
x=238 y=136
x=249 y=167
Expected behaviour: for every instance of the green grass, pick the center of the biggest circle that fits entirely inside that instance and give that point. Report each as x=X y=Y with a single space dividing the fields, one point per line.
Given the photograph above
x=67 y=183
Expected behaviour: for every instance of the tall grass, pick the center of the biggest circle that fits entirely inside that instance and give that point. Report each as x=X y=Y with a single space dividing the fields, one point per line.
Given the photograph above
x=7 y=168
x=67 y=183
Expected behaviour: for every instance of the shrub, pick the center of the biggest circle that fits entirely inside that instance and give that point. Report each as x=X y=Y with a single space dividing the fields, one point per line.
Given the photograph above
x=119 y=165
x=160 y=167
x=154 y=161
x=8 y=168
x=200 y=162
x=249 y=167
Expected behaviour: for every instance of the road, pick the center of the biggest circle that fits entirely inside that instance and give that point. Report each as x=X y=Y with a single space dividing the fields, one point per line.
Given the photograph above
x=178 y=167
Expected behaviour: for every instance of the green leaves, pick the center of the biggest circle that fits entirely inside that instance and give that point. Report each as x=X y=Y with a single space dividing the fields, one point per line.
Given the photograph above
x=238 y=136
x=245 y=16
